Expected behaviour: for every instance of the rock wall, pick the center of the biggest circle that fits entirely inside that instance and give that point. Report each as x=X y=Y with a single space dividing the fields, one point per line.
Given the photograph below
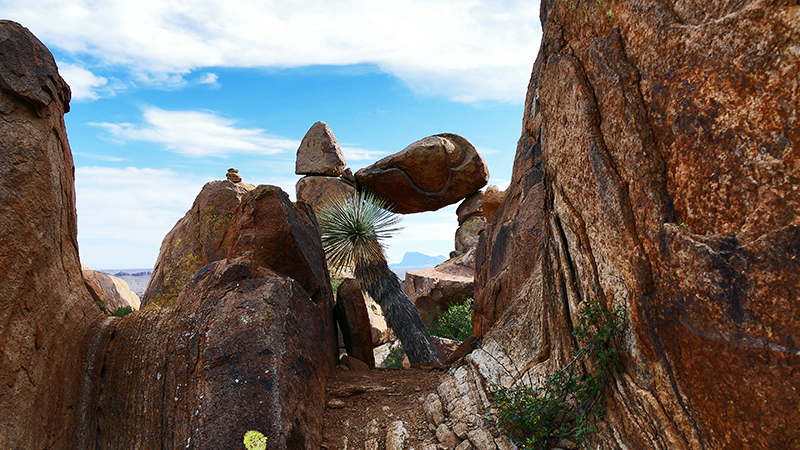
x=199 y=238
x=658 y=171
x=42 y=296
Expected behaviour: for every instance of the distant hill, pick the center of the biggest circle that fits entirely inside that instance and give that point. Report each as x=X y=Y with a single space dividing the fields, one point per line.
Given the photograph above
x=416 y=261
x=137 y=279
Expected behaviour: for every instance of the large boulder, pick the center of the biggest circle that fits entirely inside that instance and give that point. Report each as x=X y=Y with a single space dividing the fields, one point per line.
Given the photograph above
x=319 y=153
x=112 y=291
x=658 y=172
x=319 y=190
x=195 y=241
x=433 y=291
x=243 y=348
x=45 y=308
x=428 y=174
x=352 y=316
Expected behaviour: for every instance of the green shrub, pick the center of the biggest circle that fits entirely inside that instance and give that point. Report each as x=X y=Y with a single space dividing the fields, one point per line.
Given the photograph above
x=122 y=311
x=394 y=360
x=100 y=305
x=536 y=417
x=456 y=323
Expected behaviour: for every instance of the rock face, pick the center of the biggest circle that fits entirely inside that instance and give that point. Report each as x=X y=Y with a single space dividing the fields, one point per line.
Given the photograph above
x=491 y=200
x=319 y=153
x=45 y=305
x=112 y=291
x=243 y=348
x=658 y=172
x=427 y=175
x=196 y=240
x=317 y=190
x=433 y=291
x=353 y=318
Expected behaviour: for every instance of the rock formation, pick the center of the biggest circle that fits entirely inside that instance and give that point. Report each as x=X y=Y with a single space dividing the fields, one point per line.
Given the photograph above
x=435 y=290
x=112 y=291
x=471 y=223
x=491 y=200
x=318 y=190
x=353 y=318
x=657 y=172
x=196 y=240
x=233 y=175
x=45 y=307
x=428 y=174
x=319 y=153
x=245 y=347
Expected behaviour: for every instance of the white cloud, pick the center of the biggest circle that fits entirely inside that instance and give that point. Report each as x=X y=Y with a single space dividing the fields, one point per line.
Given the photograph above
x=198 y=134
x=82 y=82
x=360 y=154
x=467 y=50
x=209 y=78
x=124 y=214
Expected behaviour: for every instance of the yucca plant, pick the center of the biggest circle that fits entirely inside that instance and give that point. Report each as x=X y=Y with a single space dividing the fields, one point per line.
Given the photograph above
x=353 y=229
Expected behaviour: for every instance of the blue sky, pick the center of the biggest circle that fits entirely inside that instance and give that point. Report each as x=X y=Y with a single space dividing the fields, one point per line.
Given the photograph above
x=167 y=95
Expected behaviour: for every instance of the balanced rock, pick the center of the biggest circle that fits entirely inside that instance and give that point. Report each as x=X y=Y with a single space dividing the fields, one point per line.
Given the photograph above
x=233 y=175
x=199 y=238
x=319 y=190
x=657 y=173
x=427 y=175
x=468 y=233
x=353 y=319
x=112 y=291
x=471 y=206
x=319 y=153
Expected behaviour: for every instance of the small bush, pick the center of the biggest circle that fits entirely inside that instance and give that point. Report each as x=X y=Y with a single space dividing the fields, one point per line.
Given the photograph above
x=122 y=311
x=394 y=360
x=536 y=416
x=100 y=305
x=456 y=323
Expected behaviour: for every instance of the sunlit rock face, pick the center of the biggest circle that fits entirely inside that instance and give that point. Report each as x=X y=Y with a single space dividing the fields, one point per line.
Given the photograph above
x=428 y=174
x=658 y=172
x=199 y=238
x=44 y=305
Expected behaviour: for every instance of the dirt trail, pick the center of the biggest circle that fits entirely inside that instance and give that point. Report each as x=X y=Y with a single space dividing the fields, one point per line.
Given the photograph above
x=363 y=405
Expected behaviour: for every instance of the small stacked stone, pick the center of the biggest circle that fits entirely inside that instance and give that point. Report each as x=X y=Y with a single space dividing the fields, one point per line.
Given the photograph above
x=233 y=175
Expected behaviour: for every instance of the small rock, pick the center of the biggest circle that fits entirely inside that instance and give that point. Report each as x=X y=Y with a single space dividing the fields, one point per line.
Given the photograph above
x=433 y=409
x=566 y=444
x=491 y=201
x=319 y=153
x=503 y=443
x=336 y=403
x=481 y=439
x=460 y=430
x=396 y=435
x=465 y=445
x=233 y=175
x=446 y=436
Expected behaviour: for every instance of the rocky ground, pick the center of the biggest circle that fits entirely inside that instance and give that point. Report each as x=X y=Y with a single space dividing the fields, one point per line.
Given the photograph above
x=369 y=409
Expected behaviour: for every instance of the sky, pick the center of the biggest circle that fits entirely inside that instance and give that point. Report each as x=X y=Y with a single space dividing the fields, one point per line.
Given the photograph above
x=167 y=95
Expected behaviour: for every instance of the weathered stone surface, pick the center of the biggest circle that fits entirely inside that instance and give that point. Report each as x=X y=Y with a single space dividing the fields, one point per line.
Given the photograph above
x=470 y=207
x=317 y=190
x=44 y=304
x=467 y=234
x=112 y=291
x=396 y=435
x=433 y=410
x=433 y=291
x=428 y=174
x=319 y=153
x=446 y=436
x=353 y=319
x=243 y=348
x=658 y=172
x=491 y=200
x=284 y=236
x=196 y=240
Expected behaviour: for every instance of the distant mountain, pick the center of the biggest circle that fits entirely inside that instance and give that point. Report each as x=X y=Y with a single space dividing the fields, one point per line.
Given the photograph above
x=137 y=279
x=416 y=261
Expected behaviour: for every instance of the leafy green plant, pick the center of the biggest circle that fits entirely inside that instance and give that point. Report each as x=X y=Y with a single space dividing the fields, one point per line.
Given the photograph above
x=394 y=360
x=122 y=311
x=100 y=304
x=536 y=416
x=456 y=323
